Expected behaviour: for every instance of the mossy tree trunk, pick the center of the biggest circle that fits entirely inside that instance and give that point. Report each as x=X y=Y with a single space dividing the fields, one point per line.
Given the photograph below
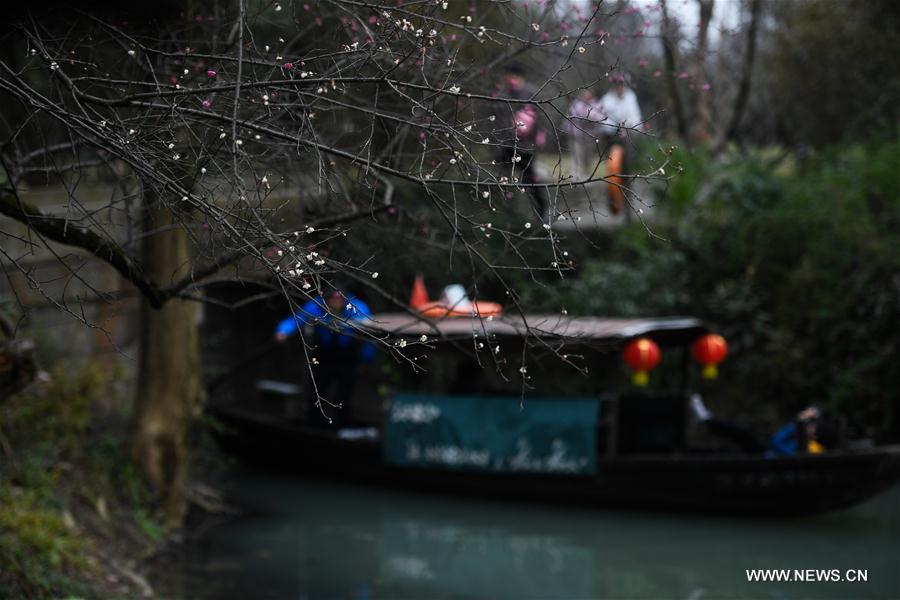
x=169 y=393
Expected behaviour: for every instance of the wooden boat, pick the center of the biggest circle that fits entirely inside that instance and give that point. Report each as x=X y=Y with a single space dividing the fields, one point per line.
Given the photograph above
x=632 y=470
x=750 y=485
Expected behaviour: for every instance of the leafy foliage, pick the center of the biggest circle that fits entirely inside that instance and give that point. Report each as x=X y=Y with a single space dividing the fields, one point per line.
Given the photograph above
x=828 y=69
x=798 y=265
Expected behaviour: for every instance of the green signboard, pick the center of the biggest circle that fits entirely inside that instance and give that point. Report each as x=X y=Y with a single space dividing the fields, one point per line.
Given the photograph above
x=548 y=436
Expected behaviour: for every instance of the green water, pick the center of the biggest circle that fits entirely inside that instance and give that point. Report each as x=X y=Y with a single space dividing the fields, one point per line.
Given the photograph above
x=299 y=539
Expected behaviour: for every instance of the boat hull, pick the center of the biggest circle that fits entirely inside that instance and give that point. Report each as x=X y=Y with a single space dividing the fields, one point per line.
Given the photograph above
x=737 y=484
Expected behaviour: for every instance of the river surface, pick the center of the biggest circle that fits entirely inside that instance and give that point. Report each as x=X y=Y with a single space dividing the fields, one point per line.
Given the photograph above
x=297 y=539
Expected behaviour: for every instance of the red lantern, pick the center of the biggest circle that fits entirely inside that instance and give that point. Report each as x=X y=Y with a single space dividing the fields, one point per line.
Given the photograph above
x=642 y=355
x=709 y=351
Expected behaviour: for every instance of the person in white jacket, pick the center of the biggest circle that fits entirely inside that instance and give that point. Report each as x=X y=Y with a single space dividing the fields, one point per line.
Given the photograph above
x=620 y=106
x=622 y=112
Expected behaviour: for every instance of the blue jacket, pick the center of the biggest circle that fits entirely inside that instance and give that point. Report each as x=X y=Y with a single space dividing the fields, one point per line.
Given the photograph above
x=785 y=441
x=314 y=311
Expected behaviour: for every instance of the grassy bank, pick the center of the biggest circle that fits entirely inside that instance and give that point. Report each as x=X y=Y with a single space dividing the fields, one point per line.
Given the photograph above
x=75 y=518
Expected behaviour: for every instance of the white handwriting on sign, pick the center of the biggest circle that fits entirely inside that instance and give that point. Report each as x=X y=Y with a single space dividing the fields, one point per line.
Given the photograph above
x=415 y=413
x=556 y=462
x=448 y=455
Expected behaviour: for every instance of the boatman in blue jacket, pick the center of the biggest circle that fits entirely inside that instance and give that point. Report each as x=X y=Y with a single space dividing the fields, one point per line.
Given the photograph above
x=801 y=435
x=336 y=350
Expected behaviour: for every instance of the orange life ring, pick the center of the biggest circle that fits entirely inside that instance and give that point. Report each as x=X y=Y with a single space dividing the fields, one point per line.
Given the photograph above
x=479 y=308
x=614 y=168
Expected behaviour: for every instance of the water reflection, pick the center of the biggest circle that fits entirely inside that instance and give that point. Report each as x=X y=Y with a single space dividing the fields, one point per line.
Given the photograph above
x=301 y=539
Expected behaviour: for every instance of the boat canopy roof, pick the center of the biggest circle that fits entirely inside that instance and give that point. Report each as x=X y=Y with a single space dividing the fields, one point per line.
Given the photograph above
x=664 y=329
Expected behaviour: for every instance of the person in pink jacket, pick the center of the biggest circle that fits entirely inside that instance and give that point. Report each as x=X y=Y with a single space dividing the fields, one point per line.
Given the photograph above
x=517 y=155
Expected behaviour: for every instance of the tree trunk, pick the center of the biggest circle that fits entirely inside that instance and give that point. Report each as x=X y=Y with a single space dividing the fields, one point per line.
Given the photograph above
x=703 y=119
x=669 y=44
x=740 y=101
x=169 y=393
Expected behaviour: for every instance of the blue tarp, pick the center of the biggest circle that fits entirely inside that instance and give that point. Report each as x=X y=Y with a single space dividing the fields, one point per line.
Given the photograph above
x=549 y=436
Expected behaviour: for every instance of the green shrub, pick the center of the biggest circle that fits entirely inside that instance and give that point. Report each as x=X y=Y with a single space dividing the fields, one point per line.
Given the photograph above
x=797 y=262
